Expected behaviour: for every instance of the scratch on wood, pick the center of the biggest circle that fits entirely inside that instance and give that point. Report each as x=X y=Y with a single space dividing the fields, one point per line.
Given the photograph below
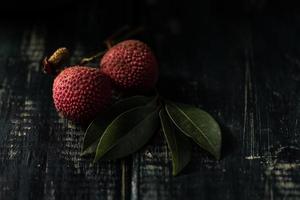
x=250 y=107
x=32 y=51
x=252 y=157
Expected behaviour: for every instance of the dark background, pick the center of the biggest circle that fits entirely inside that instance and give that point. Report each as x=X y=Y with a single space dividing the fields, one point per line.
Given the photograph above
x=237 y=59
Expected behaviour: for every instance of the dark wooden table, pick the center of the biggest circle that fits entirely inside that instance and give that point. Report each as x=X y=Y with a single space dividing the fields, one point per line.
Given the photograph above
x=243 y=69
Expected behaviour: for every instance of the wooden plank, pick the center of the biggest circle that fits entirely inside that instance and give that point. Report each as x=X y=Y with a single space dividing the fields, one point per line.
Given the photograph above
x=245 y=73
x=211 y=77
x=277 y=75
x=243 y=76
x=39 y=150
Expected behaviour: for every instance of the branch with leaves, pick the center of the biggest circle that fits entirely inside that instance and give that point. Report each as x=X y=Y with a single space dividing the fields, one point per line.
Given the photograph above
x=127 y=125
x=130 y=123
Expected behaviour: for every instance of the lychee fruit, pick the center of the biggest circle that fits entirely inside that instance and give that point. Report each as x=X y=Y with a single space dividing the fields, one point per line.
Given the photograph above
x=131 y=65
x=80 y=93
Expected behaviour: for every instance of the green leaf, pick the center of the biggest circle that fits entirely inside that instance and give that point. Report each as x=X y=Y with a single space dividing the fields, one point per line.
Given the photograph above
x=98 y=126
x=130 y=123
x=178 y=143
x=198 y=125
x=136 y=138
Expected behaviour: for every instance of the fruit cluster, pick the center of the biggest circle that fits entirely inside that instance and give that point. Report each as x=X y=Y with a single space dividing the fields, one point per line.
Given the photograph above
x=81 y=92
x=116 y=130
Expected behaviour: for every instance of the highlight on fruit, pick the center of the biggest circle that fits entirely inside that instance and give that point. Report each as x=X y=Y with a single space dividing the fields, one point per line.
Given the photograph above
x=120 y=120
x=80 y=93
x=131 y=65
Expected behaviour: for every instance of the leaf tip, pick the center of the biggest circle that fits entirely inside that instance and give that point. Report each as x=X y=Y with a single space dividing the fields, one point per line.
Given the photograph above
x=96 y=158
x=217 y=155
x=175 y=173
x=83 y=153
x=94 y=161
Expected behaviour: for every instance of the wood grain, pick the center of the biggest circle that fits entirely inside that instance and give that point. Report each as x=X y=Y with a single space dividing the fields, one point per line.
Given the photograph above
x=248 y=85
x=245 y=72
x=39 y=150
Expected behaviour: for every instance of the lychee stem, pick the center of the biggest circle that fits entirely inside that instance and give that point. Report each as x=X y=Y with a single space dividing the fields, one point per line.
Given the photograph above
x=111 y=40
x=53 y=64
x=90 y=59
x=59 y=55
x=108 y=44
x=131 y=33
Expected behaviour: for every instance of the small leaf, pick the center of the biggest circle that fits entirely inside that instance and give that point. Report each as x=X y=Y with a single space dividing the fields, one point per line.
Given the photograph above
x=178 y=143
x=128 y=123
x=198 y=125
x=136 y=138
x=98 y=126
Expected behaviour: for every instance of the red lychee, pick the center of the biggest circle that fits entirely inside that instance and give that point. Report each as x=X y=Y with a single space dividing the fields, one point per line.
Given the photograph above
x=131 y=65
x=80 y=93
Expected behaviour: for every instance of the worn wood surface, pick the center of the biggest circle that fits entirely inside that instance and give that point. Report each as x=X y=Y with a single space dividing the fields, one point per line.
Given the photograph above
x=244 y=71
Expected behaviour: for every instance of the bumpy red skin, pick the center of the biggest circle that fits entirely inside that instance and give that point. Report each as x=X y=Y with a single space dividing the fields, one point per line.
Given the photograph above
x=131 y=65
x=80 y=93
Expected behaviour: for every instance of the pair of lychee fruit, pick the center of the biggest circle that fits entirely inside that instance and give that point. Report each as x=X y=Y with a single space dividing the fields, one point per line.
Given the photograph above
x=81 y=92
